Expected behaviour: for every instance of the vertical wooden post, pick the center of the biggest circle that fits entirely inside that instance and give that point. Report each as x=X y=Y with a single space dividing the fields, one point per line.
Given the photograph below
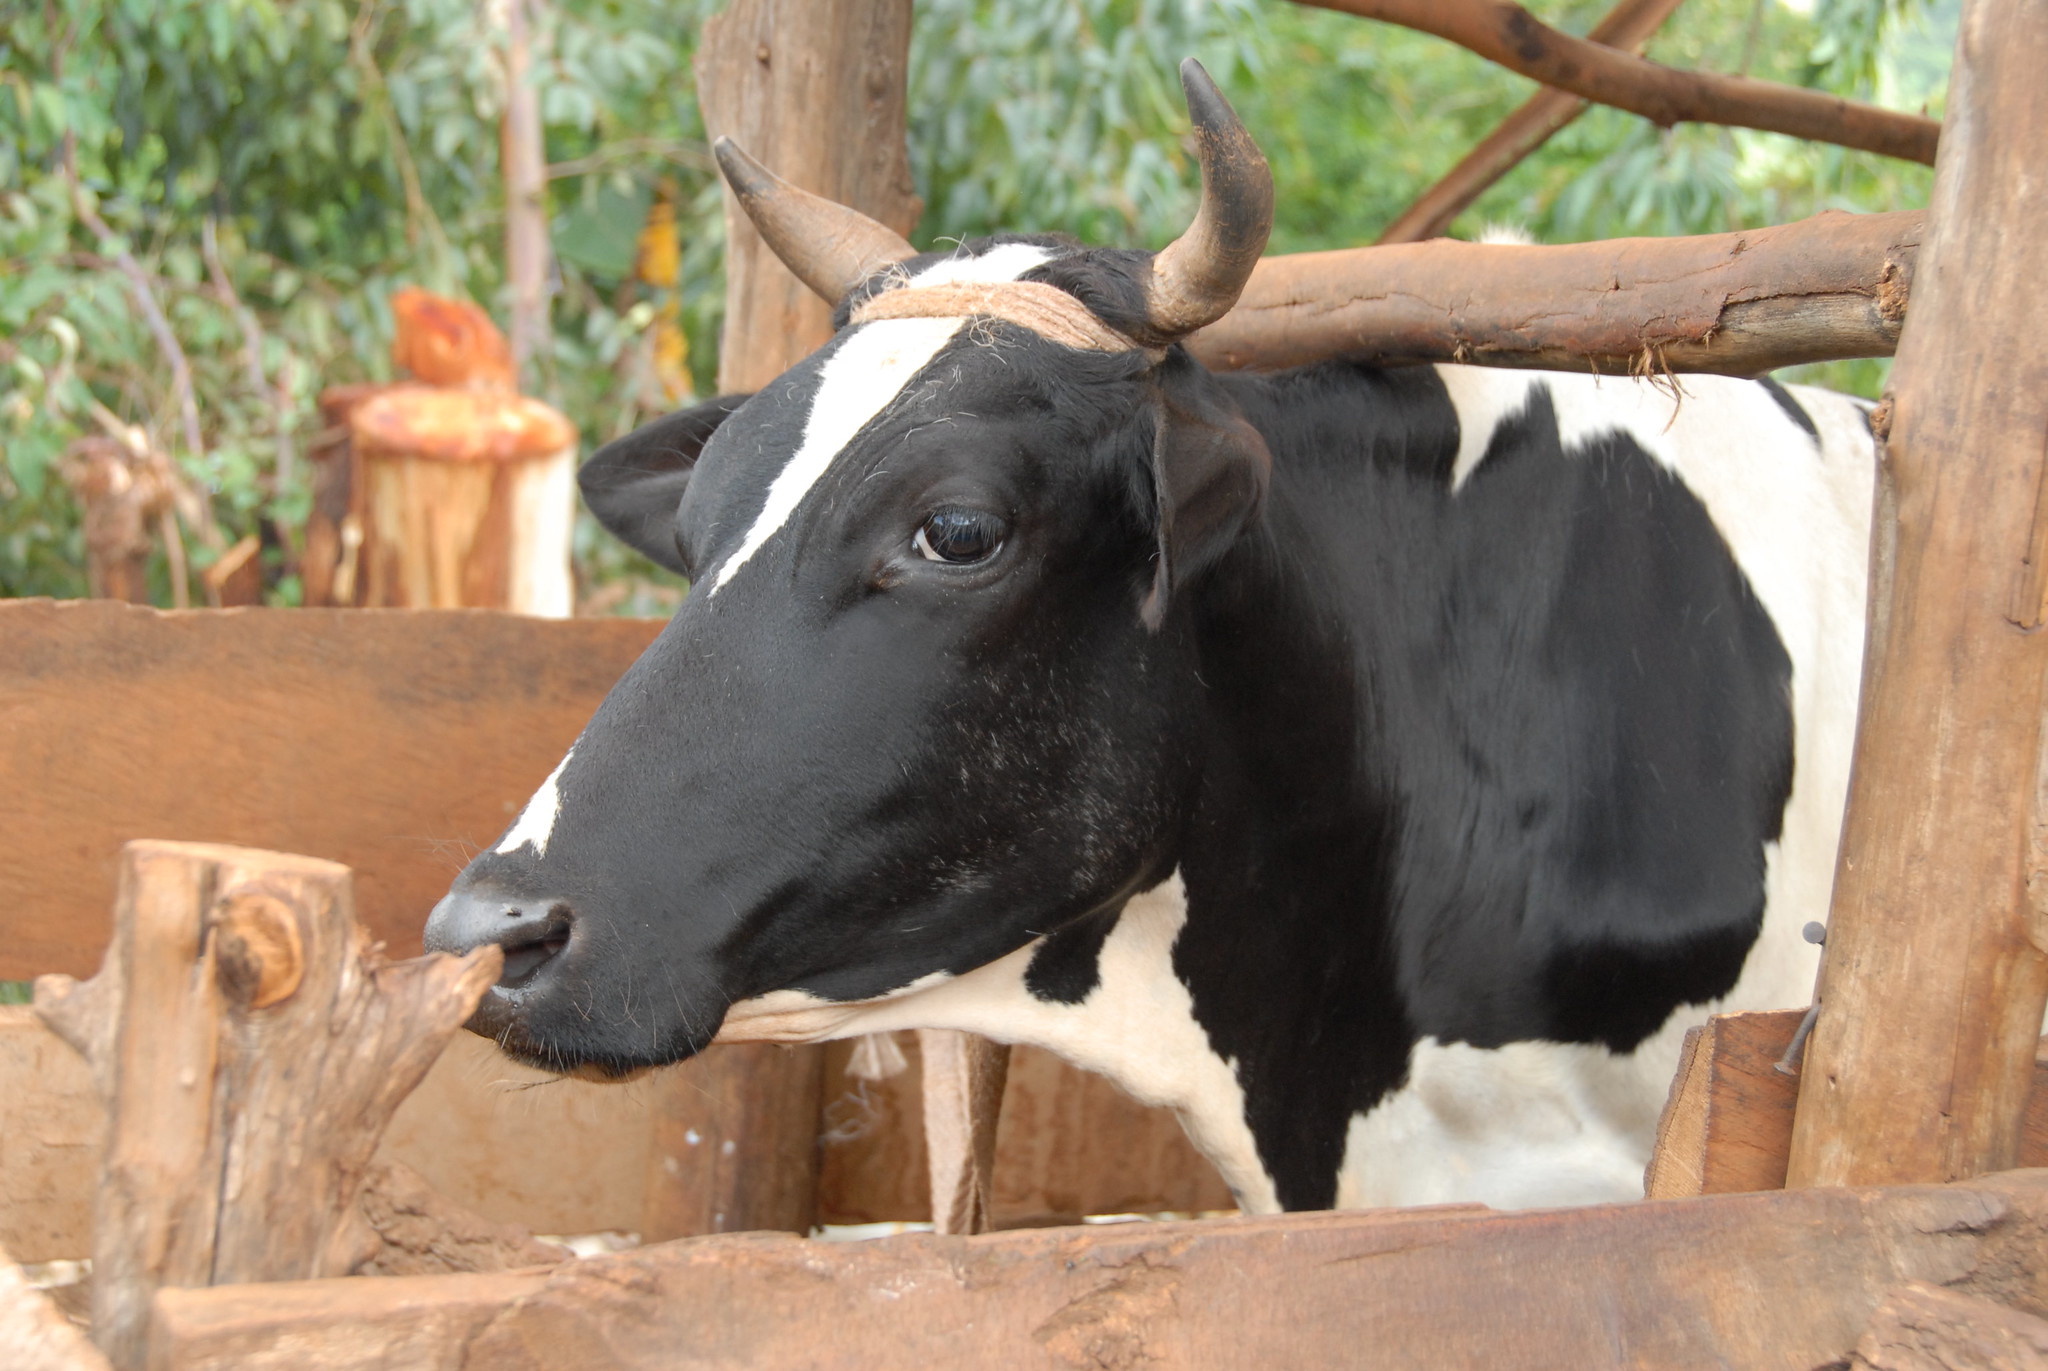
x=1937 y=964
x=251 y=1048
x=964 y=1076
x=814 y=88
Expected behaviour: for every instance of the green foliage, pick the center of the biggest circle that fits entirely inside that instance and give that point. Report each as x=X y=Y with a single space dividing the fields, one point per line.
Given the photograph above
x=338 y=148
x=17 y=992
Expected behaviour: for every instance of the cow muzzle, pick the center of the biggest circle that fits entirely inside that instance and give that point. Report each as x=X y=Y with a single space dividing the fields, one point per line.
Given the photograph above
x=532 y=932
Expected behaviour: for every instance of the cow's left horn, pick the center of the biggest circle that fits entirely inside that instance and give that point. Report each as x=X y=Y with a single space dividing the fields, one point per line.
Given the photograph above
x=829 y=247
x=1197 y=278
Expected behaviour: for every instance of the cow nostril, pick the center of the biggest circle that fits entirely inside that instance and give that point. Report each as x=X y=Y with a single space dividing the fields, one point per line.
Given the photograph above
x=528 y=950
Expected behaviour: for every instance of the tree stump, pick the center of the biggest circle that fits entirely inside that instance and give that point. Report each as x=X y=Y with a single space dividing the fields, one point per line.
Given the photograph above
x=467 y=499
x=251 y=1048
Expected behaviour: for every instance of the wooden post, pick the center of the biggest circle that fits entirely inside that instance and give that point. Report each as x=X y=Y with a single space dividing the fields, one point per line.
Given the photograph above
x=250 y=1047
x=467 y=500
x=813 y=88
x=1937 y=965
x=964 y=1075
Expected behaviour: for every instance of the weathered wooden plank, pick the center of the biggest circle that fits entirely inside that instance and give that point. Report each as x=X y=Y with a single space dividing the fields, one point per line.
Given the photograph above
x=1727 y=1126
x=395 y=742
x=1786 y=1279
x=1937 y=955
x=1069 y=1144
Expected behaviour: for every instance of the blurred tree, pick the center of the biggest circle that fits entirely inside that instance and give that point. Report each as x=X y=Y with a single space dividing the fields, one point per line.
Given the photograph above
x=274 y=170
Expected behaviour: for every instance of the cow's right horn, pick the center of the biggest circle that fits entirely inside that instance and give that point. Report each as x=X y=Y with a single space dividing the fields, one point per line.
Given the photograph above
x=829 y=247
x=1197 y=277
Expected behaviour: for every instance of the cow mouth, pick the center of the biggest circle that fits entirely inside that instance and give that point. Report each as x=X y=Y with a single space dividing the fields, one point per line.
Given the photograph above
x=532 y=947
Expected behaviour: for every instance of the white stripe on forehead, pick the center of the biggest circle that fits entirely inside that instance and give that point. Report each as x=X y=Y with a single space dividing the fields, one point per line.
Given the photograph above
x=872 y=366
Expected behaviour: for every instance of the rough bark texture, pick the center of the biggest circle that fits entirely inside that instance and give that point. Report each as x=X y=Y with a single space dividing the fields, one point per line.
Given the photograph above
x=1781 y=1280
x=1628 y=27
x=34 y=1334
x=814 y=89
x=1741 y=304
x=1922 y=1327
x=964 y=1074
x=420 y=1232
x=1937 y=952
x=1510 y=36
x=250 y=1048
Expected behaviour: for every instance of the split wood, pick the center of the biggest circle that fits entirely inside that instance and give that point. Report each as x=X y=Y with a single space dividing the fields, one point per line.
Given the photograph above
x=1509 y=36
x=1937 y=952
x=1627 y=27
x=250 y=1048
x=1740 y=304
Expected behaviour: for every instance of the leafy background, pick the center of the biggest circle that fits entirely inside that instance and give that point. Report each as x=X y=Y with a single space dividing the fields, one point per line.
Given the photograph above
x=313 y=154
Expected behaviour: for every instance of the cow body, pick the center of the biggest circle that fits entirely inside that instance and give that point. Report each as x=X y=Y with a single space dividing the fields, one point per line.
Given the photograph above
x=1380 y=768
x=1350 y=989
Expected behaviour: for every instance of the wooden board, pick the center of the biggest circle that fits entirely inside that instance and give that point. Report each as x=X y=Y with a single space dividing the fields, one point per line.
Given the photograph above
x=1070 y=1144
x=1787 y=1279
x=1727 y=1126
x=394 y=741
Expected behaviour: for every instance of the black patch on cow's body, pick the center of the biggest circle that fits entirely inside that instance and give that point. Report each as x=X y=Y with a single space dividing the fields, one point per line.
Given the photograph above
x=1794 y=411
x=1485 y=767
x=1067 y=966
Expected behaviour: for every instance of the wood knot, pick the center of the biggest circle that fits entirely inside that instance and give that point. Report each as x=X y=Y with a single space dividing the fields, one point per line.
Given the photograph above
x=258 y=952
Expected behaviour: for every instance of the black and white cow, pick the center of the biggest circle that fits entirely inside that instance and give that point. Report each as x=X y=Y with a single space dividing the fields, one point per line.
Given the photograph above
x=1379 y=767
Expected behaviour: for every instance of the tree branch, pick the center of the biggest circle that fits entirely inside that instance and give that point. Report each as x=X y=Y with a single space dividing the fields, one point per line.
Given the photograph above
x=1740 y=304
x=1507 y=34
x=1628 y=27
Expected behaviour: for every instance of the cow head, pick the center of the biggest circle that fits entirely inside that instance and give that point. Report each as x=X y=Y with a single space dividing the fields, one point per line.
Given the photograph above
x=932 y=693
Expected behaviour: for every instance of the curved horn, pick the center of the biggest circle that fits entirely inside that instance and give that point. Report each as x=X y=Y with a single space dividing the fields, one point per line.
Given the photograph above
x=829 y=247
x=1196 y=279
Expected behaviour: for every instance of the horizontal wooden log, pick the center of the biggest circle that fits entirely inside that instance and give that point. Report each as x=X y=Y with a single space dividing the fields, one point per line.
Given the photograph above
x=1787 y=1279
x=1740 y=304
x=1508 y=35
x=1727 y=1126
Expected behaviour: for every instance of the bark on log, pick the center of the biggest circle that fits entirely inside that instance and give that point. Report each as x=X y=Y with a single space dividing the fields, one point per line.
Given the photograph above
x=1627 y=27
x=1508 y=35
x=814 y=89
x=1937 y=951
x=1835 y=285
x=1923 y=1327
x=34 y=1333
x=1781 y=1280
x=250 y=1048
x=964 y=1074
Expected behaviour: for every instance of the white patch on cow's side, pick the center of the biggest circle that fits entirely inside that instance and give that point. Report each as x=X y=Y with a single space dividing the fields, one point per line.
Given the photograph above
x=1138 y=1028
x=1004 y=263
x=536 y=822
x=872 y=366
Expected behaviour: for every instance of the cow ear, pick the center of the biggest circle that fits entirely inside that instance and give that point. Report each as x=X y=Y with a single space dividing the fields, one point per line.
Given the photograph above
x=1210 y=469
x=635 y=483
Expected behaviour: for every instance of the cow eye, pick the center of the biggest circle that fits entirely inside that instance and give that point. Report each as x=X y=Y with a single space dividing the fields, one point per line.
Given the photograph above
x=958 y=536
